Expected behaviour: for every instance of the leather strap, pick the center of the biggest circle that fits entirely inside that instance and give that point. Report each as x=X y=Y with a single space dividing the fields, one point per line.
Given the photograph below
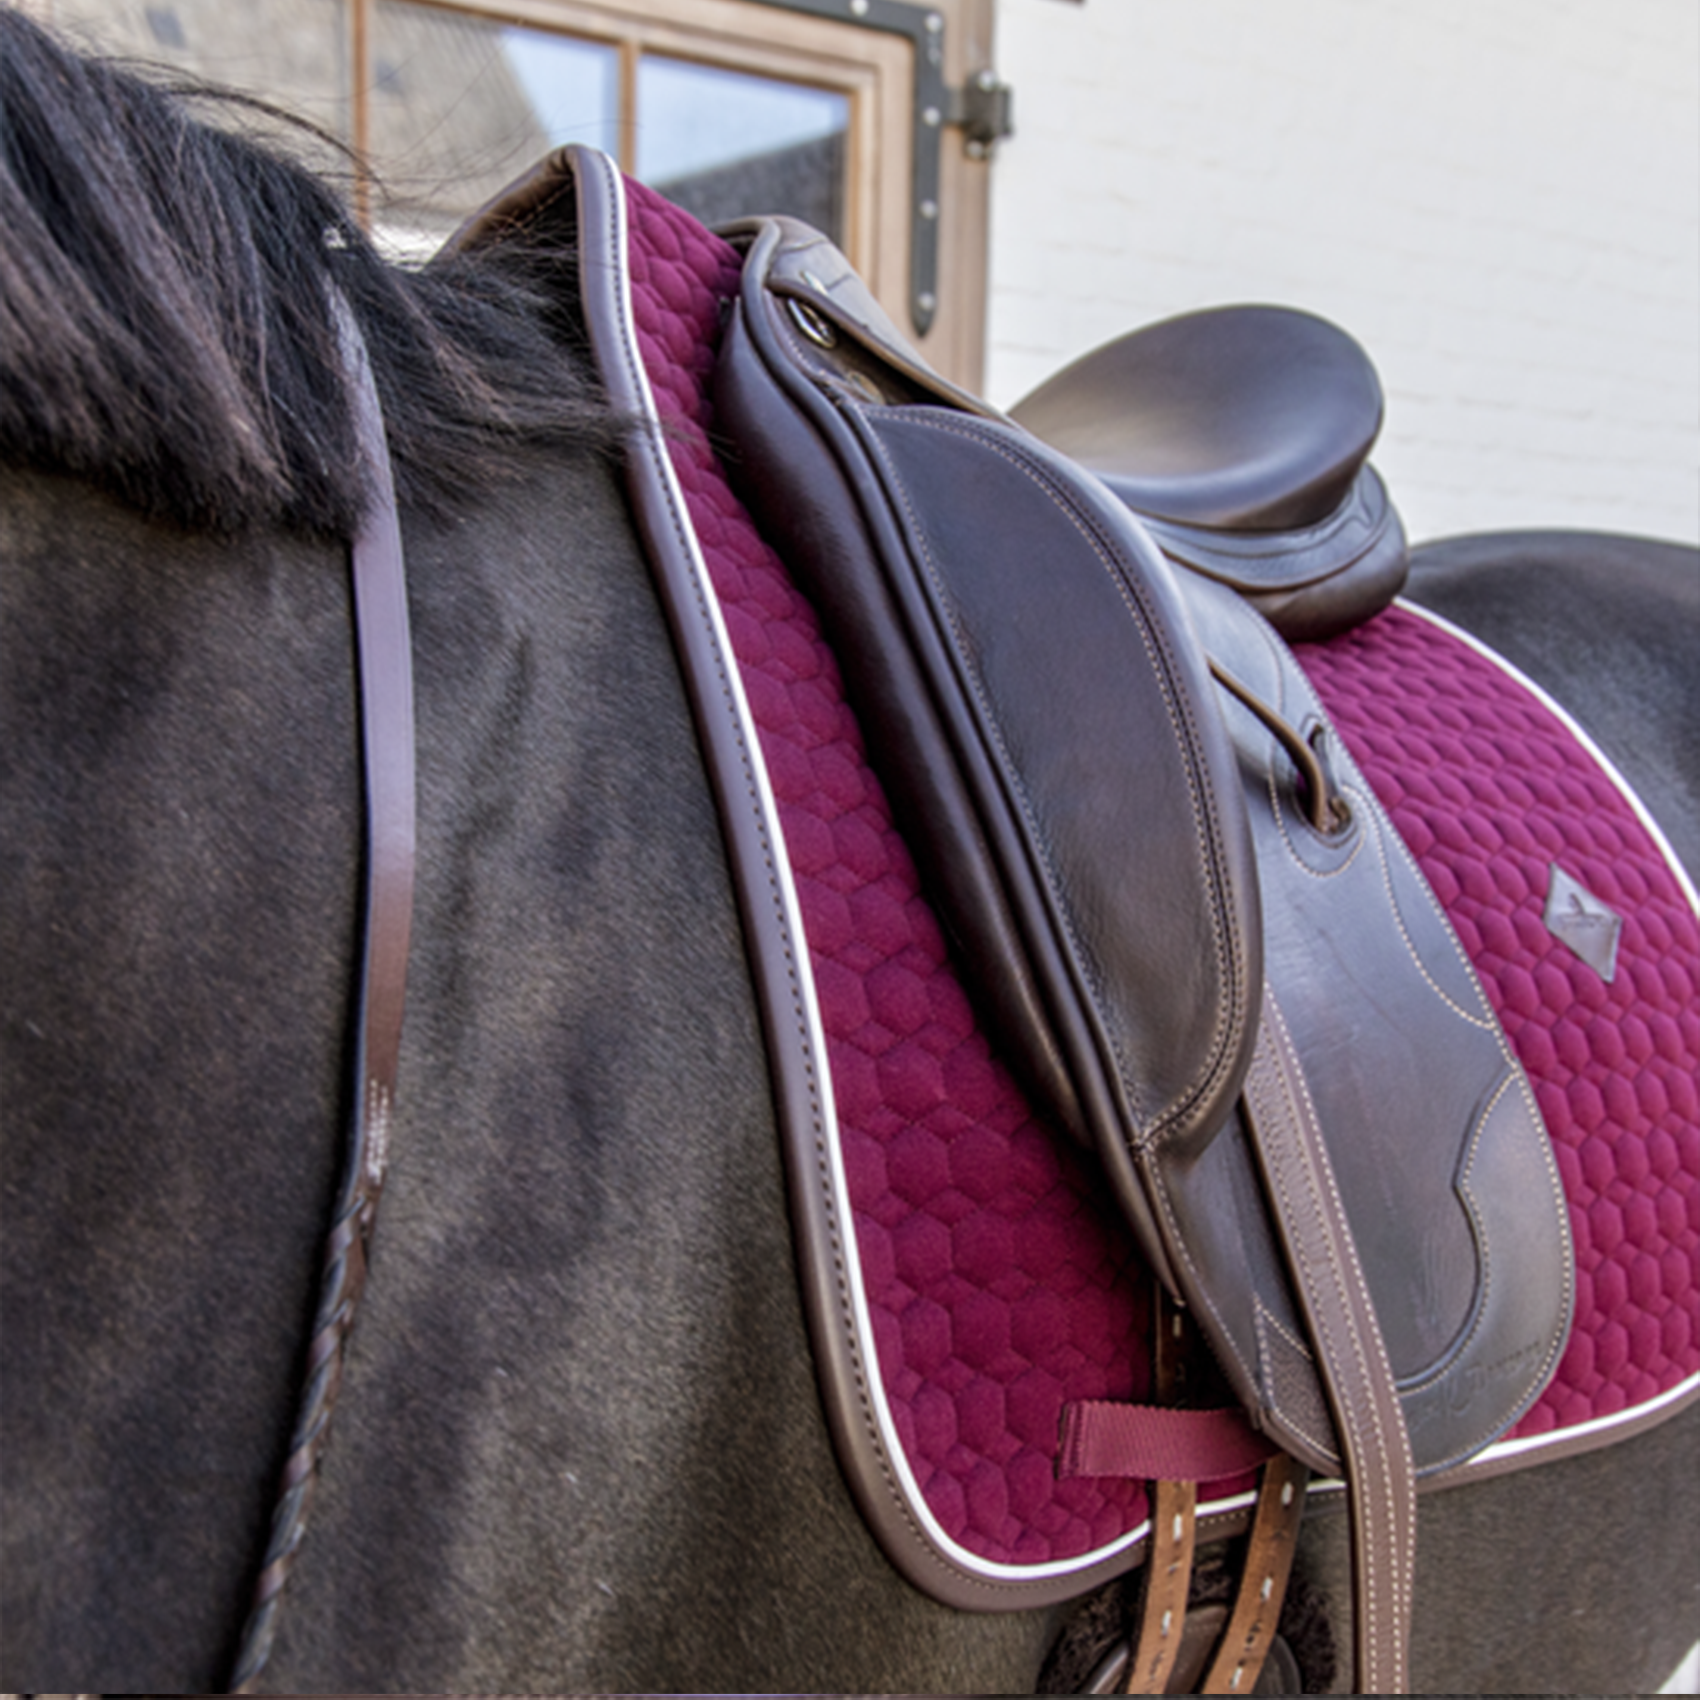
x=1351 y=1357
x=379 y=579
x=1269 y=1554
x=1169 y=1552
x=1160 y=1637
x=1168 y=1577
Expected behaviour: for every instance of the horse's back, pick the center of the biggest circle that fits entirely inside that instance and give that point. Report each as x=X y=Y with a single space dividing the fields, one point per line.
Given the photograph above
x=1610 y=626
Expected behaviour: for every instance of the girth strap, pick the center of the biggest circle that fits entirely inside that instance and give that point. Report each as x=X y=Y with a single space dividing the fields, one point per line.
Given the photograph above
x=379 y=578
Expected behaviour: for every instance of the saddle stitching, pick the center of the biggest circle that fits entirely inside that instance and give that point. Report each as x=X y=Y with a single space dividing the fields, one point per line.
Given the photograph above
x=1513 y=1078
x=1438 y=1370
x=1484 y=1021
x=1403 y=1582
x=1162 y=667
x=1280 y=812
x=1388 y=845
x=1371 y=806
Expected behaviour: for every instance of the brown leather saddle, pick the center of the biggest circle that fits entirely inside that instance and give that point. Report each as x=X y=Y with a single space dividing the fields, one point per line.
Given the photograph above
x=1185 y=914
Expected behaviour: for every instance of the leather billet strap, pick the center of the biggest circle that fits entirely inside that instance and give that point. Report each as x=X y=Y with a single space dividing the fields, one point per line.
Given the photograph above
x=1159 y=1630
x=1351 y=1356
x=385 y=660
x=1168 y=1572
x=1163 y=1631
x=1268 y=1563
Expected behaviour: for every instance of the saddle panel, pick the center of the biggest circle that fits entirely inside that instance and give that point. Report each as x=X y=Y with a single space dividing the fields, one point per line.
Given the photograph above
x=1241 y=436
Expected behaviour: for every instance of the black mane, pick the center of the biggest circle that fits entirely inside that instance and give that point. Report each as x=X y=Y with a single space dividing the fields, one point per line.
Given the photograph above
x=166 y=328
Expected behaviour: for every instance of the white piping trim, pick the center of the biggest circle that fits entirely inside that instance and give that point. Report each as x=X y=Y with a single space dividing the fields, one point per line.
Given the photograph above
x=1584 y=1437
x=1580 y=733
x=1504 y=1449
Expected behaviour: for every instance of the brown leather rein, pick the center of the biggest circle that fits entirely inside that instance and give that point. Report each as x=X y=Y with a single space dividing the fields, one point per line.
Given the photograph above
x=385 y=674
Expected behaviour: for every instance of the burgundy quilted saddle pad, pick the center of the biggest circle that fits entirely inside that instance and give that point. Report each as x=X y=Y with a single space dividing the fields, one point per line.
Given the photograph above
x=990 y=1284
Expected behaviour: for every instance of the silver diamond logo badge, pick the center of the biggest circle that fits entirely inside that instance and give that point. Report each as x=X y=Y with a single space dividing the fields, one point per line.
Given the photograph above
x=1576 y=917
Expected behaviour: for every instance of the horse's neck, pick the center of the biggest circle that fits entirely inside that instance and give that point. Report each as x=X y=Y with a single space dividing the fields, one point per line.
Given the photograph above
x=584 y=1170
x=181 y=821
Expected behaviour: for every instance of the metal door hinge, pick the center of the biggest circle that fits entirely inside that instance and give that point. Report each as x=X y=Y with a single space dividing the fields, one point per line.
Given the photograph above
x=981 y=109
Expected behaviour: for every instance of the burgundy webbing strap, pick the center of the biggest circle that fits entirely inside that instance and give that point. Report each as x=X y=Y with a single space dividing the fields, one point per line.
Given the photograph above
x=386 y=717
x=1101 y=1437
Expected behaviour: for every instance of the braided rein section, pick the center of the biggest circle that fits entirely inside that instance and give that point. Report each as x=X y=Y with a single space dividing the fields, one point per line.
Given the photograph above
x=386 y=724
x=340 y=1286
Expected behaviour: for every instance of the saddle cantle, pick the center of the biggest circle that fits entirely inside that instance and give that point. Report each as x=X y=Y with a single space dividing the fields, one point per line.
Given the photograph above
x=1241 y=436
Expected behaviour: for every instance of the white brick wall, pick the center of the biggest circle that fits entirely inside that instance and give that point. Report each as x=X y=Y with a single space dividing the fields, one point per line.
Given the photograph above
x=1499 y=198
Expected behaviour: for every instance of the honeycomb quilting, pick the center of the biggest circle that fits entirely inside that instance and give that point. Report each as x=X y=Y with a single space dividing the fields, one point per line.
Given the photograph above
x=1489 y=789
x=998 y=1284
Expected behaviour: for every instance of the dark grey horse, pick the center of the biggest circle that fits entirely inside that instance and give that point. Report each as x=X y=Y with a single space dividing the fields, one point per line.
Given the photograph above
x=578 y=1443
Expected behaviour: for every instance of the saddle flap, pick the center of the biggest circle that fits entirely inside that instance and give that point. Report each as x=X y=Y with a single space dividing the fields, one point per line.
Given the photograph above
x=1033 y=679
x=1442 y=1163
x=1038 y=708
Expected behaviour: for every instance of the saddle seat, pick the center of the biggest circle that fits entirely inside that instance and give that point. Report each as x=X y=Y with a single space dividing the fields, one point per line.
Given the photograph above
x=1241 y=436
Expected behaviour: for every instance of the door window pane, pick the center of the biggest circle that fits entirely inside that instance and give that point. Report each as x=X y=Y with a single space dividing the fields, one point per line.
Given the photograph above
x=724 y=143
x=461 y=105
x=293 y=53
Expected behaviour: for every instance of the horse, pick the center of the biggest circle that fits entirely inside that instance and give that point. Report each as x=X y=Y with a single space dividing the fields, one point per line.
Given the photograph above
x=578 y=1443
